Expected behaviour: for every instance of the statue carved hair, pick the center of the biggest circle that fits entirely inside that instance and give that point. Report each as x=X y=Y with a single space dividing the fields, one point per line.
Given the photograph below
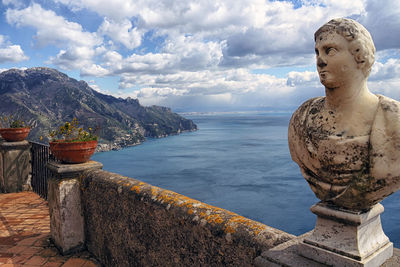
x=361 y=45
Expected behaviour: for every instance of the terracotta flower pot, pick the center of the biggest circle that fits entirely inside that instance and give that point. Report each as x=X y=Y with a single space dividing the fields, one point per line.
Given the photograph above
x=14 y=134
x=73 y=152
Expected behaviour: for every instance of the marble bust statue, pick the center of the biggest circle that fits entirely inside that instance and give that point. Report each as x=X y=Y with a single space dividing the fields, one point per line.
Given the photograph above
x=347 y=144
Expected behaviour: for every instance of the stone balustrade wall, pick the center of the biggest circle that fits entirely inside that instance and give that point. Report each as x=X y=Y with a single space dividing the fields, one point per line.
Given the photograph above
x=131 y=223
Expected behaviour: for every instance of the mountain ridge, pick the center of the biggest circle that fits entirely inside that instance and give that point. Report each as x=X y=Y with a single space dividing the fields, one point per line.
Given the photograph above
x=47 y=98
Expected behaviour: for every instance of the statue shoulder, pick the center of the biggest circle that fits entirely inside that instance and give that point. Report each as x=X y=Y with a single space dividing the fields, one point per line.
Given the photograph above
x=385 y=140
x=313 y=105
x=297 y=126
x=389 y=105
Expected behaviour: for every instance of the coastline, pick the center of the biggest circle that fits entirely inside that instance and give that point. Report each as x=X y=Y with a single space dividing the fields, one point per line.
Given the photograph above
x=118 y=145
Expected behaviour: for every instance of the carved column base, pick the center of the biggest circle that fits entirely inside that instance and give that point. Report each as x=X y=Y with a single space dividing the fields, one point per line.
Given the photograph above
x=345 y=238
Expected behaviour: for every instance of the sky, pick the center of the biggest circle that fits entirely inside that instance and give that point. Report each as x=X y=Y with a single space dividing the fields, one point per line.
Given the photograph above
x=194 y=55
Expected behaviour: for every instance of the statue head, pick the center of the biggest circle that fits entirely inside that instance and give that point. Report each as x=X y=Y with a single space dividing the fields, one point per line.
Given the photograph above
x=361 y=44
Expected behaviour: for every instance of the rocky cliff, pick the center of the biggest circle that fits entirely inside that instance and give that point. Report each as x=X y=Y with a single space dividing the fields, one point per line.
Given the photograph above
x=46 y=98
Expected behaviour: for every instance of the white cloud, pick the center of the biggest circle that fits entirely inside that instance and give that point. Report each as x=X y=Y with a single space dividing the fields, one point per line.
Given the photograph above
x=112 y=57
x=15 y=3
x=148 y=63
x=231 y=87
x=78 y=46
x=10 y=53
x=382 y=19
x=388 y=88
x=385 y=78
x=295 y=78
x=179 y=54
x=122 y=32
x=94 y=70
x=248 y=33
x=116 y=9
x=160 y=92
x=251 y=33
x=385 y=71
x=92 y=84
x=249 y=27
x=75 y=57
x=51 y=28
x=193 y=54
x=284 y=35
x=199 y=52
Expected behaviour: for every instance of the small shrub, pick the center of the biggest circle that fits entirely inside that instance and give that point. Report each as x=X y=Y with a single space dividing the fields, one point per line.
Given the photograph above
x=71 y=132
x=11 y=122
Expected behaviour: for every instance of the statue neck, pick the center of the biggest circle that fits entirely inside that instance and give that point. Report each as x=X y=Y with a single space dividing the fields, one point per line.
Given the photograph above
x=354 y=107
x=348 y=96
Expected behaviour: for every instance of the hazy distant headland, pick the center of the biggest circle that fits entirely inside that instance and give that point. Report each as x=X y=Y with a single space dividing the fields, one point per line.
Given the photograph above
x=47 y=98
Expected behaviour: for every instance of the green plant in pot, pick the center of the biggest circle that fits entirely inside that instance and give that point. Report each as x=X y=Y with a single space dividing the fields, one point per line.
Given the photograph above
x=13 y=129
x=72 y=144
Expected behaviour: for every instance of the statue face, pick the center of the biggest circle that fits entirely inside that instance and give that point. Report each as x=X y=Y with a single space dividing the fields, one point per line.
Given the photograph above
x=335 y=64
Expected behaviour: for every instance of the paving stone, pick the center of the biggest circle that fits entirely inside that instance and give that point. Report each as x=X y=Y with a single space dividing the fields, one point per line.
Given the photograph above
x=28 y=241
x=31 y=251
x=17 y=249
x=4 y=234
x=25 y=234
x=4 y=257
x=9 y=240
x=19 y=259
x=90 y=264
x=36 y=260
x=3 y=249
x=58 y=259
x=74 y=262
x=49 y=252
x=52 y=264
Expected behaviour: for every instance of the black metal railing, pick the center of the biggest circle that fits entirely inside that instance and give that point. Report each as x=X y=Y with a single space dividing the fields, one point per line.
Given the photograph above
x=40 y=156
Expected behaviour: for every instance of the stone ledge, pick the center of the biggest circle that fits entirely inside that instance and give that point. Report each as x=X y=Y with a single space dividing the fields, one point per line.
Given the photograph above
x=287 y=255
x=67 y=170
x=14 y=145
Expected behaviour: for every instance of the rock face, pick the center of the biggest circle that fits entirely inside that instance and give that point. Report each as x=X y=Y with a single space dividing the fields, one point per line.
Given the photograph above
x=47 y=98
x=347 y=144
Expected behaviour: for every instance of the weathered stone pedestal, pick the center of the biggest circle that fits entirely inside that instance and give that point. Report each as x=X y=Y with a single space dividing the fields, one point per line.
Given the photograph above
x=15 y=167
x=64 y=198
x=344 y=238
x=340 y=238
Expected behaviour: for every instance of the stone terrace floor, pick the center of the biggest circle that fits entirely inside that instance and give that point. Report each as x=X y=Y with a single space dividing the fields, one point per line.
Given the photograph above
x=25 y=234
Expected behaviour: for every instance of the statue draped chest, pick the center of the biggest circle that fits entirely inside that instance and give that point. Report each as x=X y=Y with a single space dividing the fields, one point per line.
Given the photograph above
x=339 y=168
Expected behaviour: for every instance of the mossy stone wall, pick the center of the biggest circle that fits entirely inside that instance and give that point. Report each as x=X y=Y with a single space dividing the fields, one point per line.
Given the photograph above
x=131 y=223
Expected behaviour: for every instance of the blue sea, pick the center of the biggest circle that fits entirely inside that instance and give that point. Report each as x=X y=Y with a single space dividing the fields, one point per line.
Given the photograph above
x=236 y=161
